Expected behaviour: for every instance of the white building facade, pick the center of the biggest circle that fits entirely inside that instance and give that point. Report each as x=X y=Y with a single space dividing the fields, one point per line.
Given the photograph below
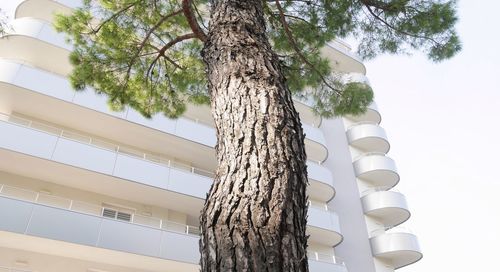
x=85 y=189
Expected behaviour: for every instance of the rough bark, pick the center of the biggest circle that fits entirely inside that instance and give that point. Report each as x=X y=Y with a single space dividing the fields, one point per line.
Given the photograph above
x=254 y=217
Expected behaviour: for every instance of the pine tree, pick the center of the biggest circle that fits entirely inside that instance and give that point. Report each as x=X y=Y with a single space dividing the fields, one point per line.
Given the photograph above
x=247 y=59
x=3 y=22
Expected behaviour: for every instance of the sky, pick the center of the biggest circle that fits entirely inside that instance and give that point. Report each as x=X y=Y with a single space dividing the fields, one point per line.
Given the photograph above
x=442 y=121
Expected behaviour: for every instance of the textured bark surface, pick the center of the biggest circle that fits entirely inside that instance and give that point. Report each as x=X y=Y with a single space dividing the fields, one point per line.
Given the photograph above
x=254 y=218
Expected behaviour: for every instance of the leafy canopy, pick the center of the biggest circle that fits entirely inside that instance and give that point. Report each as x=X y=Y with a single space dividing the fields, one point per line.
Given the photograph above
x=147 y=53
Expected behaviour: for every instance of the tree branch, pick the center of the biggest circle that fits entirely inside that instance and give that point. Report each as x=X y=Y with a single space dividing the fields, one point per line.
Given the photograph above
x=94 y=31
x=176 y=41
x=191 y=18
x=368 y=6
x=297 y=49
x=198 y=13
x=143 y=43
x=148 y=34
x=299 y=19
x=161 y=52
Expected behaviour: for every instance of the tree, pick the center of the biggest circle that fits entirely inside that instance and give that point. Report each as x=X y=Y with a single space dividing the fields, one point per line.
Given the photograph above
x=3 y=22
x=157 y=56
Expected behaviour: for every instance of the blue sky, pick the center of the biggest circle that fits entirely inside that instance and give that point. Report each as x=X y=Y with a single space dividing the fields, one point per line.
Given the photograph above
x=443 y=124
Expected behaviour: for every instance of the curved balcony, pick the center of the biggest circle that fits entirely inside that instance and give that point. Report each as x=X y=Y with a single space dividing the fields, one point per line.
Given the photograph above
x=320 y=182
x=371 y=115
x=44 y=9
x=323 y=226
x=307 y=116
x=387 y=207
x=397 y=247
x=315 y=143
x=325 y=262
x=376 y=169
x=342 y=59
x=368 y=137
x=31 y=37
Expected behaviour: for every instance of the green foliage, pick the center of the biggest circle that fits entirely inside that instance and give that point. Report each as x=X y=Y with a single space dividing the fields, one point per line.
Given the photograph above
x=395 y=26
x=129 y=49
x=118 y=51
x=352 y=98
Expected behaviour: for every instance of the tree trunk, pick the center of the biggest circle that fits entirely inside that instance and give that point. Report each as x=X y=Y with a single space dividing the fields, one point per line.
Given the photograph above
x=254 y=217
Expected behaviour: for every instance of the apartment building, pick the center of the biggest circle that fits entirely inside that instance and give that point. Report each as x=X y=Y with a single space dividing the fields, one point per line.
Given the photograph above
x=86 y=189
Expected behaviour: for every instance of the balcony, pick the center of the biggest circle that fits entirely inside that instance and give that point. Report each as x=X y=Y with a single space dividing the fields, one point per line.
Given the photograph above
x=19 y=93
x=31 y=37
x=67 y=152
x=368 y=137
x=342 y=59
x=70 y=154
x=52 y=217
x=398 y=247
x=320 y=182
x=325 y=262
x=376 y=169
x=323 y=226
x=387 y=207
x=84 y=230
x=315 y=144
x=54 y=201
x=44 y=9
x=38 y=35
x=371 y=115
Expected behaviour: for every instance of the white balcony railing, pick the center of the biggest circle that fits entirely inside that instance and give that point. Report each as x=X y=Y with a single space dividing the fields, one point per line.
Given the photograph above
x=103 y=144
x=91 y=209
x=319 y=173
x=327 y=258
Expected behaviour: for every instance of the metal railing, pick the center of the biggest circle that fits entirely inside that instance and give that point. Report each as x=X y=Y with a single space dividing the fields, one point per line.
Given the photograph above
x=326 y=258
x=103 y=144
x=91 y=209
